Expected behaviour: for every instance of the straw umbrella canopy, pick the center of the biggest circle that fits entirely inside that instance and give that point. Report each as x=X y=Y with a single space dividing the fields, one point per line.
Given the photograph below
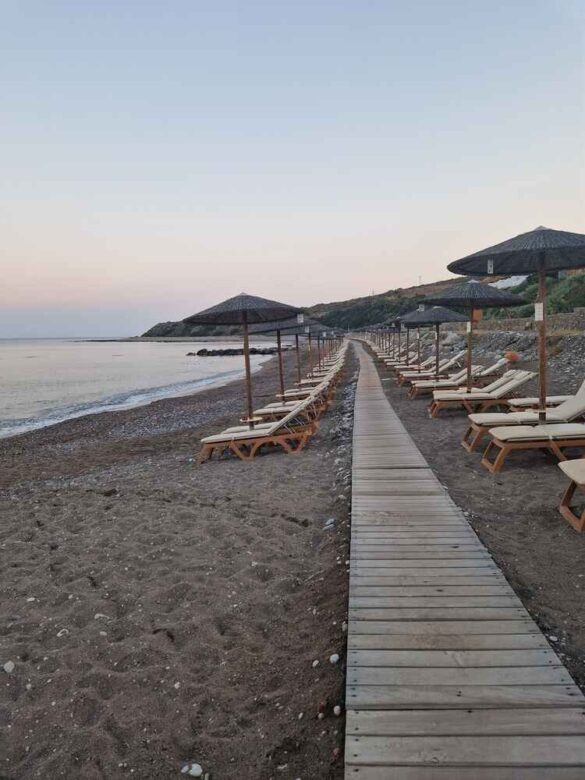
x=436 y=316
x=292 y=327
x=244 y=310
x=474 y=296
x=539 y=251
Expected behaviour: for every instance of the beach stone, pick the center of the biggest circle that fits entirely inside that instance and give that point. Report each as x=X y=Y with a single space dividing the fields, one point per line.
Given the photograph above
x=9 y=667
x=333 y=659
x=337 y=710
x=196 y=770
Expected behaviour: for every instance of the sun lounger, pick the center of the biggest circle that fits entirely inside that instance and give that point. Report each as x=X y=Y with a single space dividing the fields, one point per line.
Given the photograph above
x=496 y=394
x=575 y=470
x=551 y=400
x=408 y=376
x=285 y=433
x=422 y=386
x=426 y=364
x=480 y=424
x=552 y=438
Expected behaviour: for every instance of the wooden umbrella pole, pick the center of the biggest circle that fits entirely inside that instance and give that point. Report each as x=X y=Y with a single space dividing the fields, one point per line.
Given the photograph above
x=310 y=355
x=407 y=345
x=418 y=345
x=250 y=410
x=437 y=326
x=319 y=351
x=299 y=369
x=280 y=366
x=540 y=317
x=469 y=347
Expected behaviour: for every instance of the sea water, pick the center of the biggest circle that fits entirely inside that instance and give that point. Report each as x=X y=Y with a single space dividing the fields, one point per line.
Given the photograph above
x=46 y=381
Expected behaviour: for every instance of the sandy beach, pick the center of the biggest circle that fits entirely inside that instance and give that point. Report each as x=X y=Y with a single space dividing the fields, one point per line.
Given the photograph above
x=158 y=613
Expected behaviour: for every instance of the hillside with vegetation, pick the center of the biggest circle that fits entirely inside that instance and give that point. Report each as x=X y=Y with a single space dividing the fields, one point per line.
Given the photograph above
x=563 y=296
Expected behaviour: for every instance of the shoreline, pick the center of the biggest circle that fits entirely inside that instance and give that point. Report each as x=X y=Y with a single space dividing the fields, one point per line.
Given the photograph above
x=110 y=406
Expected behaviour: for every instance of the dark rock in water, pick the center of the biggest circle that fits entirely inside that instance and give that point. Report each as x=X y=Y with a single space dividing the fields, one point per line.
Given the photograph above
x=234 y=351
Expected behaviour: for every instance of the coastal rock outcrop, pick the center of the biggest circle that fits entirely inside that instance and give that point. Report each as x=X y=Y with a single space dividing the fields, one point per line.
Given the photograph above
x=232 y=351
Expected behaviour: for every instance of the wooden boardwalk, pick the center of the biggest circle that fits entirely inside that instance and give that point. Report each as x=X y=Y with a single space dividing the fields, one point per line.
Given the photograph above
x=448 y=677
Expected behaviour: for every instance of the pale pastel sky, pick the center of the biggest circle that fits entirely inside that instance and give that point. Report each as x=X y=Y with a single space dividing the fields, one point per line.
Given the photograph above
x=157 y=157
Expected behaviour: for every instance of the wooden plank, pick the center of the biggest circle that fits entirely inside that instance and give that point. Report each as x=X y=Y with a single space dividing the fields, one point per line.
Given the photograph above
x=418 y=565
x=449 y=548
x=450 y=627
x=434 y=578
x=473 y=554
x=463 y=696
x=418 y=591
x=438 y=613
x=360 y=772
x=542 y=750
x=446 y=641
x=443 y=676
x=431 y=602
x=506 y=722
x=451 y=658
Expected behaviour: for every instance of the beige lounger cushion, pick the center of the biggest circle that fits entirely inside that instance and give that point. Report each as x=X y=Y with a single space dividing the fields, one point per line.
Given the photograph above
x=539 y=432
x=550 y=399
x=503 y=418
x=574 y=469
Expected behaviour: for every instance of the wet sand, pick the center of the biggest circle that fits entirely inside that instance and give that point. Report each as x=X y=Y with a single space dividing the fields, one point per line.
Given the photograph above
x=159 y=613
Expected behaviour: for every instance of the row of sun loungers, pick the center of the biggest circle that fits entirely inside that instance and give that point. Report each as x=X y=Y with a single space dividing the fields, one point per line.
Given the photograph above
x=288 y=423
x=516 y=429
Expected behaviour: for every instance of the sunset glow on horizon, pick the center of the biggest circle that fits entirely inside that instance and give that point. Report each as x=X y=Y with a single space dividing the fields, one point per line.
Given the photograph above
x=159 y=158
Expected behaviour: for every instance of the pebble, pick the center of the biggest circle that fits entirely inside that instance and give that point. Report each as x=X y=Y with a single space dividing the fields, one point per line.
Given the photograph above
x=333 y=659
x=315 y=663
x=63 y=632
x=337 y=710
x=8 y=667
x=195 y=770
x=554 y=638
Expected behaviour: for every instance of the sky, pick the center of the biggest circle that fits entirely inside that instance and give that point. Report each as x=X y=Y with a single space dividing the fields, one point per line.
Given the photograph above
x=158 y=157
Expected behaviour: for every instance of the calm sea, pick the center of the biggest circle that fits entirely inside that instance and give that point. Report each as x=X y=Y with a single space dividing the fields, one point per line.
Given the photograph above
x=46 y=381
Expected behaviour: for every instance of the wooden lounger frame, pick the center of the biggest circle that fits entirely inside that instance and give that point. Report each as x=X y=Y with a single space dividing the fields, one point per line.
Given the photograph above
x=567 y=511
x=468 y=404
x=292 y=441
x=474 y=434
x=504 y=448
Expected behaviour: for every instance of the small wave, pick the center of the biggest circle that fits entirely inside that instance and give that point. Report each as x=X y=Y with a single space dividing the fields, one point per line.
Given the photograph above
x=114 y=403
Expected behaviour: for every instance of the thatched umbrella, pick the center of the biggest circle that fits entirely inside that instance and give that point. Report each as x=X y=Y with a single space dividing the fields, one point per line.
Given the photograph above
x=435 y=315
x=244 y=310
x=540 y=251
x=474 y=296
